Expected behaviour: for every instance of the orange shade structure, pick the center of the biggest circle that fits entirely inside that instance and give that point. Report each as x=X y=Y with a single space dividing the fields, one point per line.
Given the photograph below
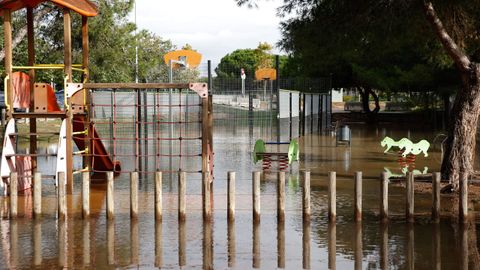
x=82 y=7
x=266 y=74
x=192 y=58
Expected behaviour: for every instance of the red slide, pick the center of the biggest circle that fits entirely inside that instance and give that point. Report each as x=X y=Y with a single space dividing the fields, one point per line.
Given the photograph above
x=101 y=161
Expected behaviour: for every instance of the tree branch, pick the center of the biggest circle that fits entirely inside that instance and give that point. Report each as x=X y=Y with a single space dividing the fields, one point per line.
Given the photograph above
x=457 y=54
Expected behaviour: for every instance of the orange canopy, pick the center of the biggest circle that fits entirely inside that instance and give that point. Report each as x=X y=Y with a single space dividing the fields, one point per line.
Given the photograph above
x=83 y=7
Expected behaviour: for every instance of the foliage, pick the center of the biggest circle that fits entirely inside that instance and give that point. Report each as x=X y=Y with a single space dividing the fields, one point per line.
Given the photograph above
x=248 y=59
x=112 y=45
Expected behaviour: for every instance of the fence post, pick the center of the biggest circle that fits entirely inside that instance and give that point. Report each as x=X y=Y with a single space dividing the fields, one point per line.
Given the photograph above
x=181 y=195
x=410 y=197
x=384 y=196
x=436 y=197
x=13 y=195
x=332 y=196
x=158 y=196
x=207 y=207
x=37 y=195
x=85 y=194
x=134 y=195
x=110 y=196
x=62 y=204
x=256 y=196
x=281 y=197
x=231 y=196
x=358 y=196
x=306 y=196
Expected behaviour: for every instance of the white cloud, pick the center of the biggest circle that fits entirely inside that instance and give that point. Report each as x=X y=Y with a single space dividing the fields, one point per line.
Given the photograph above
x=213 y=27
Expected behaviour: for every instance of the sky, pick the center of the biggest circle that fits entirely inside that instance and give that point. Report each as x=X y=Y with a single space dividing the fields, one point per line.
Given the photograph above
x=213 y=27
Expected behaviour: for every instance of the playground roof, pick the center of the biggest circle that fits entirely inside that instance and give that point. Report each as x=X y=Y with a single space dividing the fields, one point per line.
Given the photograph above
x=83 y=7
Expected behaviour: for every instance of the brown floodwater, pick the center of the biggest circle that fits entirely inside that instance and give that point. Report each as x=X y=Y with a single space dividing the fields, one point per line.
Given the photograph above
x=121 y=243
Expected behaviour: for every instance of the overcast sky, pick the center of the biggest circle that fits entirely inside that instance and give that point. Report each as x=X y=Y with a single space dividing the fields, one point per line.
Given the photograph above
x=213 y=27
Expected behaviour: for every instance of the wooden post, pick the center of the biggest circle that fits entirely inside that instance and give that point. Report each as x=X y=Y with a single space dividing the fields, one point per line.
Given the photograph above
x=281 y=245
x=332 y=196
x=182 y=258
x=207 y=207
x=463 y=207
x=231 y=243
x=13 y=195
x=306 y=196
x=231 y=196
x=134 y=195
x=7 y=37
x=384 y=258
x=86 y=243
x=110 y=196
x=358 y=196
x=158 y=196
x=436 y=197
x=67 y=59
x=281 y=197
x=87 y=158
x=134 y=244
x=256 y=245
x=85 y=194
x=37 y=243
x=181 y=196
x=410 y=197
x=31 y=74
x=358 y=246
x=332 y=245
x=384 y=196
x=37 y=195
x=306 y=245
x=62 y=202
x=158 y=244
x=205 y=134
x=110 y=242
x=256 y=196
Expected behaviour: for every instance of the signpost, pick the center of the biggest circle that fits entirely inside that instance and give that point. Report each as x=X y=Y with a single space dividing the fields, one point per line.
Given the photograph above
x=243 y=76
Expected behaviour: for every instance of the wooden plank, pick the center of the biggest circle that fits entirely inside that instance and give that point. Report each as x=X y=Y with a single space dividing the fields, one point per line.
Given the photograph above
x=332 y=196
x=306 y=197
x=37 y=195
x=85 y=47
x=256 y=196
x=60 y=115
x=85 y=194
x=207 y=207
x=110 y=196
x=231 y=196
x=436 y=197
x=134 y=195
x=158 y=196
x=181 y=196
x=67 y=59
x=62 y=202
x=410 y=197
x=281 y=197
x=165 y=86
x=13 y=195
x=384 y=196
x=358 y=196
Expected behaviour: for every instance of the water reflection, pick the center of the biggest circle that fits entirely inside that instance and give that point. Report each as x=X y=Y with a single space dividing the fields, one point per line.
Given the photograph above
x=332 y=245
x=62 y=243
x=256 y=245
x=37 y=243
x=111 y=242
x=281 y=244
x=231 y=243
x=158 y=244
x=86 y=243
x=14 y=243
x=182 y=258
x=306 y=245
x=207 y=246
x=358 y=245
x=134 y=241
x=384 y=260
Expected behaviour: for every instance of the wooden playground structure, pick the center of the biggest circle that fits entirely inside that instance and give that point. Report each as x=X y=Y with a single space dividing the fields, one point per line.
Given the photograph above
x=27 y=99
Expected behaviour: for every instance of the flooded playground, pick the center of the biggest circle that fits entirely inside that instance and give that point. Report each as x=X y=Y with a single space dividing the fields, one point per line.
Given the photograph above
x=124 y=243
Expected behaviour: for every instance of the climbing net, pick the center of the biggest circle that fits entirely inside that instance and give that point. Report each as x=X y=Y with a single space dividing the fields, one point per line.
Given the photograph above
x=158 y=127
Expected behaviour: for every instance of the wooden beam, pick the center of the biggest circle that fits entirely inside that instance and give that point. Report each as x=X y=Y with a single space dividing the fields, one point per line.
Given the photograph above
x=136 y=86
x=7 y=33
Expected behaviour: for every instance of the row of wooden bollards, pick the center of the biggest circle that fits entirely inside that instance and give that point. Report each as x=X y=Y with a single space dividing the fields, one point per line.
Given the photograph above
x=206 y=193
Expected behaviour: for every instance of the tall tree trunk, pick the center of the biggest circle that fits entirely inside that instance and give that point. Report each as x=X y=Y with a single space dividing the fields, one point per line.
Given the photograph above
x=365 y=93
x=458 y=159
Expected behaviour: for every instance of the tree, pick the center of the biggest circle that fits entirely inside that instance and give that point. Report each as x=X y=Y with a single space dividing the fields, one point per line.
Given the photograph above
x=365 y=33
x=248 y=59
